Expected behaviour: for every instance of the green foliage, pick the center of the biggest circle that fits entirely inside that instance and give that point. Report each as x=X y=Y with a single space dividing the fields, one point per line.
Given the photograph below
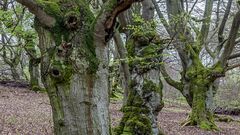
x=142 y=28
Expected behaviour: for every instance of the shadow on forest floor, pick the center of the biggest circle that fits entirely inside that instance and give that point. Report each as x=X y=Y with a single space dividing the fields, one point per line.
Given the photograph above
x=26 y=112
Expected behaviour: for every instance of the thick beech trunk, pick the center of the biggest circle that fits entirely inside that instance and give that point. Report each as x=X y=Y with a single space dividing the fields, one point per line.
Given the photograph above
x=74 y=70
x=78 y=95
x=143 y=105
x=74 y=64
x=201 y=114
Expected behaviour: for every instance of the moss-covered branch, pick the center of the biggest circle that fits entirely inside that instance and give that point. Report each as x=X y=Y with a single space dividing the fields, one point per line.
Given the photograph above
x=170 y=81
x=34 y=8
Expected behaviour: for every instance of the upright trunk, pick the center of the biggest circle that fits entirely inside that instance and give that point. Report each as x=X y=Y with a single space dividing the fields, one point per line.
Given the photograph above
x=145 y=88
x=143 y=105
x=15 y=74
x=124 y=68
x=200 y=92
x=34 y=74
x=78 y=91
x=74 y=64
x=74 y=70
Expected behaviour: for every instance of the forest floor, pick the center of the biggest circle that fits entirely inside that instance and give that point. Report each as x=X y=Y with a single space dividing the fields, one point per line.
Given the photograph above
x=23 y=112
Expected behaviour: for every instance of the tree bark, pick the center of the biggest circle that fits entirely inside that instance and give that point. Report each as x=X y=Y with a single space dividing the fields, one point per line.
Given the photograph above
x=124 y=68
x=74 y=64
x=77 y=85
x=199 y=90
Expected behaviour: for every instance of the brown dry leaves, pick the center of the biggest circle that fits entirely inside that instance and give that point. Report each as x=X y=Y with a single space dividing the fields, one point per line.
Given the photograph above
x=29 y=113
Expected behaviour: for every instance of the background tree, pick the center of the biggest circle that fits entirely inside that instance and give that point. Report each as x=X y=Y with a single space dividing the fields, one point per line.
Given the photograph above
x=197 y=79
x=18 y=41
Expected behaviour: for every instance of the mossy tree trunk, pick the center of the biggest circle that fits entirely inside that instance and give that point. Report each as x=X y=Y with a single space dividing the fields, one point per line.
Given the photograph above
x=145 y=87
x=78 y=94
x=200 y=94
x=74 y=64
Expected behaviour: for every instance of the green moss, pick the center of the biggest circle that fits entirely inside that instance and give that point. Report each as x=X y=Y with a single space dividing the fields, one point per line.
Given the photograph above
x=217 y=68
x=149 y=86
x=50 y=7
x=110 y=5
x=134 y=123
x=200 y=115
x=130 y=48
x=60 y=10
x=36 y=88
x=135 y=119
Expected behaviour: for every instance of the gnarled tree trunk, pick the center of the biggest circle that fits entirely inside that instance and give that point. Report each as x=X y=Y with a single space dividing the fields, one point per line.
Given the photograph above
x=145 y=88
x=74 y=64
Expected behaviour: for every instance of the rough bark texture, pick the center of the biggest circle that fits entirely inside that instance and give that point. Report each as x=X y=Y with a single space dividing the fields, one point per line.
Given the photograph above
x=74 y=64
x=77 y=83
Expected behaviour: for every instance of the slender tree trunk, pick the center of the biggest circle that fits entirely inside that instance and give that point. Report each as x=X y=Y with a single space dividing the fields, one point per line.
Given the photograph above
x=124 y=68
x=34 y=74
x=15 y=73
x=34 y=61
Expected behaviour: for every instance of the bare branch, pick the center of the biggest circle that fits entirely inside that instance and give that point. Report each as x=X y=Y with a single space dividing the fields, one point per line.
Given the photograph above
x=206 y=21
x=233 y=56
x=224 y=20
x=231 y=39
x=161 y=17
x=120 y=7
x=232 y=67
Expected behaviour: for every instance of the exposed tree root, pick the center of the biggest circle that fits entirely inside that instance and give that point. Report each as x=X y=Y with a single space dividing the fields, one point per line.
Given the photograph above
x=204 y=124
x=224 y=118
